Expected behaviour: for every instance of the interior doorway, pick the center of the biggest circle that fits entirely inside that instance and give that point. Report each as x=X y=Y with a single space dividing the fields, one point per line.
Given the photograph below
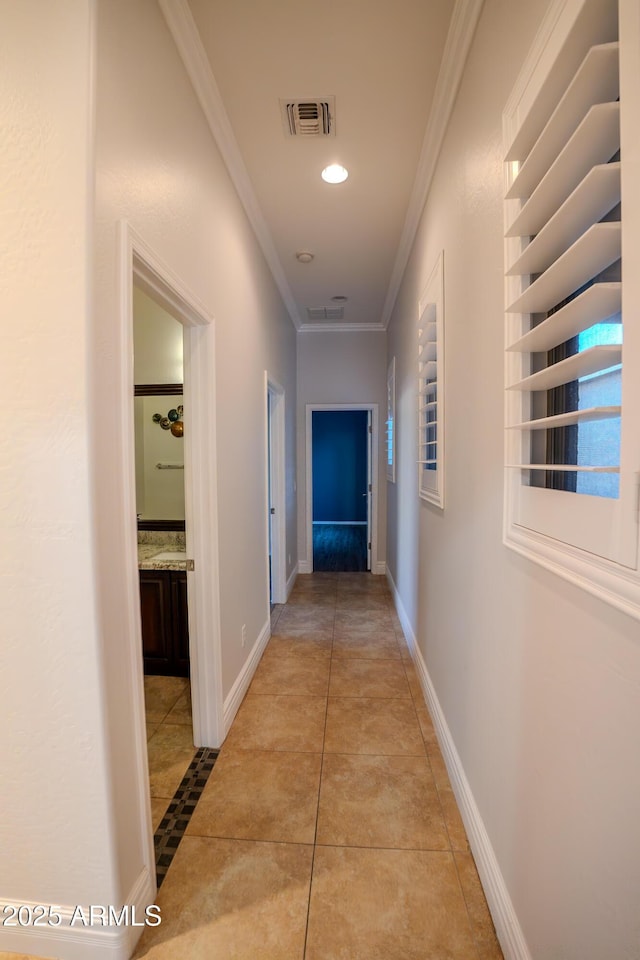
x=141 y=268
x=341 y=488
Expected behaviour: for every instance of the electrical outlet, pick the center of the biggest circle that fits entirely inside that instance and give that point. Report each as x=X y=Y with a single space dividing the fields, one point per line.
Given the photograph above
x=289 y=559
x=244 y=634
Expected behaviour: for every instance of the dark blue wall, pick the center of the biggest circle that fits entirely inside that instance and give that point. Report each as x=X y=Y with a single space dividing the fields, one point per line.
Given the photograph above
x=339 y=449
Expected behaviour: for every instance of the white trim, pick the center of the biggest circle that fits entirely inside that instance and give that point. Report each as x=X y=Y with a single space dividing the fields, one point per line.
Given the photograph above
x=137 y=258
x=508 y=929
x=291 y=582
x=463 y=24
x=381 y=568
x=431 y=482
x=236 y=695
x=340 y=523
x=183 y=29
x=277 y=522
x=306 y=566
x=80 y=942
x=590 y=542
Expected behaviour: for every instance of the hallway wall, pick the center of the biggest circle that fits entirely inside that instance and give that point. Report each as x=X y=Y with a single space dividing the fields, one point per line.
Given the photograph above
x=538 y=681
x=158 y=168
x=349 y=367
x=55 y=836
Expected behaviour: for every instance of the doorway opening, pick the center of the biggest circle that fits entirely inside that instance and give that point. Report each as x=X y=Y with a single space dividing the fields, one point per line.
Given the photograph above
x=341 y=487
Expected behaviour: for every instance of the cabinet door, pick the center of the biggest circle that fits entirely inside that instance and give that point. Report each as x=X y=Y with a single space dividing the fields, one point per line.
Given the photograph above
x=157 y=621
x=180 y=624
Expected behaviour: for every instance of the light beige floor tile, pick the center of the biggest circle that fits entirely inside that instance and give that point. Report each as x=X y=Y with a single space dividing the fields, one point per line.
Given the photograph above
x=380 y=802
x=260 y=795
x=182 y=711
x=316 y=646
x=158 y=809
x=453 y=821
x=151 y=729
x=268 y=722
x=386 y=905
x=373 y=605
x=353 y=628
x=368 y=678
x=371 y=726
x=4 y=955
x=304 y=617
x=295 y=676
x=426 y=726
x=481 y=923
x=303 y=629
x=170 y=751
x=161 y=694
x=232 y=900
x=353 y=647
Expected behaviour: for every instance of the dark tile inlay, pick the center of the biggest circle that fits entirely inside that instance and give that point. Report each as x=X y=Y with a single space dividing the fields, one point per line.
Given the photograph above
x=175 y=821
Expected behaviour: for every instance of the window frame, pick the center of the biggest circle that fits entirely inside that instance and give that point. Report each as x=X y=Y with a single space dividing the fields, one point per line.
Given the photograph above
x=431 y=480
x=589 y=540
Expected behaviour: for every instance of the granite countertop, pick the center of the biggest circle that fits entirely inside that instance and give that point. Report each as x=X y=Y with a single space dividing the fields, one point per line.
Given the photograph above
x=152 y=542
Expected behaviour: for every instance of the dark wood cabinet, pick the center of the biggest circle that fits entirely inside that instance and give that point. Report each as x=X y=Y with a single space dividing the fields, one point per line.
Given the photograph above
x=165 y=623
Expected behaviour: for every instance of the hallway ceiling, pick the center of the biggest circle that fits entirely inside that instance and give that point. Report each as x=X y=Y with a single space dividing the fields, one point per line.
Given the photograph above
x=380 y=62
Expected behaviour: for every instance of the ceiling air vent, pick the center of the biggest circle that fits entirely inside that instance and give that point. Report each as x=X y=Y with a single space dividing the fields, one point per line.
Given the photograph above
x=325 y=313
x=308 y=118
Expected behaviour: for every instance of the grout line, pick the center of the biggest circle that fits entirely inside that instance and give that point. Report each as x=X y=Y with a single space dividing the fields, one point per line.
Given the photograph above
x=315 y=833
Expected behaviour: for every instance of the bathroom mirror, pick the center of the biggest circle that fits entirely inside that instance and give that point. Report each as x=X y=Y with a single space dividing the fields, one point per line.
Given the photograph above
x=159 y=452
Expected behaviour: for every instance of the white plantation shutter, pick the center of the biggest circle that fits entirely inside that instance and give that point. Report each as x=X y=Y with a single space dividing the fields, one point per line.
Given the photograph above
x=571 y=226
x=431 y=388
x=391 y=421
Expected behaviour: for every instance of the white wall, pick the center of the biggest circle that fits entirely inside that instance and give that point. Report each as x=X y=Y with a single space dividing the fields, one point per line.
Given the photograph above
x=342 y=367
x=538 y=681
x=73 y=761
x=55 y=831
x=157 y=342
x=158 y=168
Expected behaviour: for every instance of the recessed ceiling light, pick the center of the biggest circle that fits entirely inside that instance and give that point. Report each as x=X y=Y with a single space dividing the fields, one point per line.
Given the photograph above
x=340 y=299
x=335 y=173
x=304 y=256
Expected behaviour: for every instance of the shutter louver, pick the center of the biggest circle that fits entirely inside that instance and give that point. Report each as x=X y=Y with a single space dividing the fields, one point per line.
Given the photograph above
x=567 y=193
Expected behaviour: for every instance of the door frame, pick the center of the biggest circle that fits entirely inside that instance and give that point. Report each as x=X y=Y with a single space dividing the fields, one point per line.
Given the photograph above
x=372 y=469
x=275 y=483
x=140 y=264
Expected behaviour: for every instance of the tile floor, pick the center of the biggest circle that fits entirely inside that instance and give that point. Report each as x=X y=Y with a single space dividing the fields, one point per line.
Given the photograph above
x=169 y=738
x=328 y=828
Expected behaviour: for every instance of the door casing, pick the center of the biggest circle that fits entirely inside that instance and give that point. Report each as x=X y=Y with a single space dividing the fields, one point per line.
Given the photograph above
x=138 y=261
x=275 y=487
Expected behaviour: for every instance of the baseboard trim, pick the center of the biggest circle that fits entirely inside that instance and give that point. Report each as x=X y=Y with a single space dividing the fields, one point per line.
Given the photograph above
x=508 y=929
x=236 y=694
x=305 y=566
x=380 y=568
x=291 y=581
x=82 y=940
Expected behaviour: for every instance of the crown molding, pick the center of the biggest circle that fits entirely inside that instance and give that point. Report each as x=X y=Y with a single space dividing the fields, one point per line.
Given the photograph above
x=464 y=20
x=184 y=31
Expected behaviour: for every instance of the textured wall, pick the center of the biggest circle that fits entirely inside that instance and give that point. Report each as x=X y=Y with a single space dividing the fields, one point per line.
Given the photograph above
x=538 y=680
x=159 y=169
x=55 y=840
